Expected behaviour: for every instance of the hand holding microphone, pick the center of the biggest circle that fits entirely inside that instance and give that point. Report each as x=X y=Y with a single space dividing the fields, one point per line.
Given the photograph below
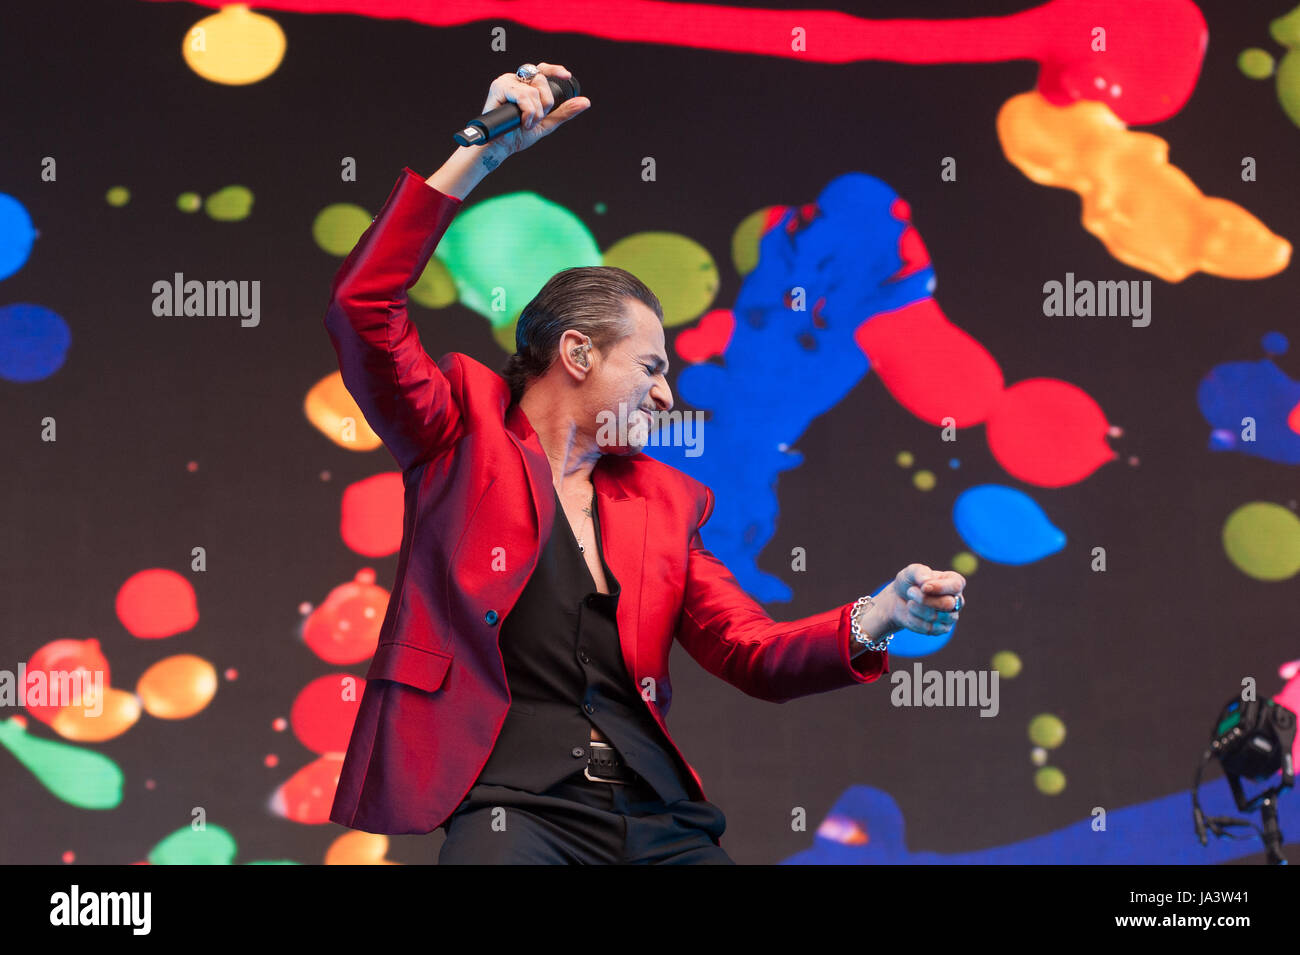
x=523 y=107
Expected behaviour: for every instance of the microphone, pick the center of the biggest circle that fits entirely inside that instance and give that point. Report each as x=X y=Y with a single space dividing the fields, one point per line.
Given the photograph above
x=507 y=116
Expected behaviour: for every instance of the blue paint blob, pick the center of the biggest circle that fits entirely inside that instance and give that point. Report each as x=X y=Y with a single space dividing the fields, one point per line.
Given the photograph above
x=1155 y=833
x=33 y=342
x=16 y=235
x=1005 y=525
x=1256 y=390
x=1275 y=343
x=845 y=259
x=1222 y=440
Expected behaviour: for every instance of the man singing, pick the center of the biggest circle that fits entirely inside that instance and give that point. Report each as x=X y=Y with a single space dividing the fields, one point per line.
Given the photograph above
x=518 y=694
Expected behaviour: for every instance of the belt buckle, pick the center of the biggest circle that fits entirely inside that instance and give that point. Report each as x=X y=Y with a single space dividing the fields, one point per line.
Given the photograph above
x=586 y=770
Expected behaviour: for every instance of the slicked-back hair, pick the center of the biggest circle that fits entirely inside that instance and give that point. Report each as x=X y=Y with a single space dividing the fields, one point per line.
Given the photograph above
x=591 y=299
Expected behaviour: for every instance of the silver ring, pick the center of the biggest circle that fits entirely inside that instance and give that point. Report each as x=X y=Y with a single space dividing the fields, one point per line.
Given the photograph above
x=960 y=603
x=526 y=72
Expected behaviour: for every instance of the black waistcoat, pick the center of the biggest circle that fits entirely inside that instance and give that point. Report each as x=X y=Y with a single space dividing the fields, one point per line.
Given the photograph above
x=565 y=671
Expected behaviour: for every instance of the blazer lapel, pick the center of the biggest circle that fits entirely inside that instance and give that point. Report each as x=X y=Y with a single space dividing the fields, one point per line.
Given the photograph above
x=623 y=538
x=538 y=468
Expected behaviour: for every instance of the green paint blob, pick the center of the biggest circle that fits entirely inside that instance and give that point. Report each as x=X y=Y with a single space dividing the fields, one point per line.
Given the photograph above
x=1050 y=781
x=965 y=563
x=1263 y=540
x=435 y=287
x=680 y=271
x=337 y=227
x=230 y=204
x=118 y=196
x=1256 y=63
x=1007 y=664
x=600 y=208
x=210 y=845
x=189 y=202
x=80 y=777
x=1047 y=731
x=501 y=251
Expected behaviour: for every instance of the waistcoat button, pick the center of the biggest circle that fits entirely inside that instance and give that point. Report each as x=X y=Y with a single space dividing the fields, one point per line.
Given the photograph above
x=490 y=616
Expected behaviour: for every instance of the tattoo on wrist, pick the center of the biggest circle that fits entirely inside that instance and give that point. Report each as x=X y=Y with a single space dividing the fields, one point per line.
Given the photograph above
x=490 y=162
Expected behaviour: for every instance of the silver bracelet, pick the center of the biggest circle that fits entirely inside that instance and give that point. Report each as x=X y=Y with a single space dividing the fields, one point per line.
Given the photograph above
x=860 y=638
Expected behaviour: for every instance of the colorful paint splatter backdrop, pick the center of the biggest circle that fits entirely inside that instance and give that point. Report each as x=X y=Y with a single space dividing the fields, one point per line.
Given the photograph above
x=1012 y=295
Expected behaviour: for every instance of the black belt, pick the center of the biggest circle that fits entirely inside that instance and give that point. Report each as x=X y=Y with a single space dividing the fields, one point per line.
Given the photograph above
x=604 y=765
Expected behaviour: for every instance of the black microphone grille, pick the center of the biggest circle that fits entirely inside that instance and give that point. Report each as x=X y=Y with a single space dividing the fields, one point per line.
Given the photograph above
x=568 y=86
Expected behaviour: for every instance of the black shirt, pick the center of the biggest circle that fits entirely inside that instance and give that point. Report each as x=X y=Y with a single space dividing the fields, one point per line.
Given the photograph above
x=565 y=670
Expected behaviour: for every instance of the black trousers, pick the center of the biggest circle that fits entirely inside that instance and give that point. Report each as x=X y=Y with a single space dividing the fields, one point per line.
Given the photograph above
x=581 y=822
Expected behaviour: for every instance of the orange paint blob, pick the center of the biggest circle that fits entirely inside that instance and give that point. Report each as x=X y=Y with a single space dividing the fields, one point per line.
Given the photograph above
x=1148 y=213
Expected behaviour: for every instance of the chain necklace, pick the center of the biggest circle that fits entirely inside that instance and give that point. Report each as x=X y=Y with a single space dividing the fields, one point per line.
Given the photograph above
x=586 y=510
x=583 y=530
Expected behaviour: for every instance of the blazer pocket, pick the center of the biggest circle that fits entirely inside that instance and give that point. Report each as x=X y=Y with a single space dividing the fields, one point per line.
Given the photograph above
x=409 y=664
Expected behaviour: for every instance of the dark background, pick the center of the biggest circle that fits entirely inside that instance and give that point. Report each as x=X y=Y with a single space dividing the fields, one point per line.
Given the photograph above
x=1136 y=661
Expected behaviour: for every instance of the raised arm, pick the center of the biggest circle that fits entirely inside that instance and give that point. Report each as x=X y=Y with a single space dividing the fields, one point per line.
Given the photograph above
x=401 y=391
x=404 y=395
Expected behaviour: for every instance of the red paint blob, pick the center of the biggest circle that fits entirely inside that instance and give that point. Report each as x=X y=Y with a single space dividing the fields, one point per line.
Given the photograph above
x=1147 y=71
x=708 y=337
x=933 y=368
x=1049 y=433
x=157 y=603
x=371 y=521
x=65 y=656
x=345 y=627
x=306 y=796
x=321 y=718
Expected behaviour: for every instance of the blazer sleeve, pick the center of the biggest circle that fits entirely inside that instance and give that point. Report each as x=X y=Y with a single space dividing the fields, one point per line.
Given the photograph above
x=403 y=394
x=729 y=634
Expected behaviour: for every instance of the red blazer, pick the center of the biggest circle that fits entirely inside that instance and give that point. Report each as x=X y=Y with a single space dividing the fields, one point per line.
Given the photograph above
x=478 y=504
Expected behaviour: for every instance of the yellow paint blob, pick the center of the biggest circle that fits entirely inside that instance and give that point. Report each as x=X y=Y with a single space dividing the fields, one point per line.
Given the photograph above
x=1050 y=781
x=1007 y=664
x=965 y=563
x=119 y=711
x=745 y=240
x=234 y=46
x=175 y=688
x=1263 y=540
x=337 y=227
x=229 y=204
x=1047 y=731
x=1148 y=213
x=358 y=848
x=680 y=271
x=331 y=409
x=435 y=288
x=505 y=335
